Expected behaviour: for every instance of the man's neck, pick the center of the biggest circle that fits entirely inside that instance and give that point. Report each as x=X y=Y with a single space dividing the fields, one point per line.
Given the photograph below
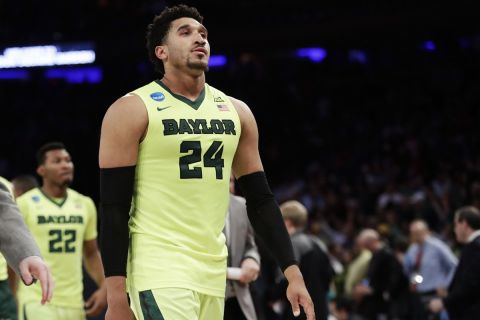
x=54 y=191
x=424 y=240
x=377 y=246
x=184 y=84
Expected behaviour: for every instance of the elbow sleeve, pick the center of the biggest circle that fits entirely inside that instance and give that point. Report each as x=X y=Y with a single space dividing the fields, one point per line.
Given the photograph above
x=116 y=191
x=266 y=218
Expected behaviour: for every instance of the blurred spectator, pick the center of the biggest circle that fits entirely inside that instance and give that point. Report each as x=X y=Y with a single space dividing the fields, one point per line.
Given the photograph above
x=357 y=269
x=313 y=260
x=341 y=309
x=384 y=292
x=463 y=299
x=429 y=263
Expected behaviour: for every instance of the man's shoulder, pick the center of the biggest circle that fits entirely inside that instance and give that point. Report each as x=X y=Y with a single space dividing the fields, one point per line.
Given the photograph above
x=74 y=193
x=33 y=195
x=302 y=241
x=77 y=196
x=476 y=243
x=153 y=86
x=438 y=244
x=217 y=93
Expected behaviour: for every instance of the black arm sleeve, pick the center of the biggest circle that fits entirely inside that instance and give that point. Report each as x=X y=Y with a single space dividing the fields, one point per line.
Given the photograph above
x=116 y=190
x=266 y=218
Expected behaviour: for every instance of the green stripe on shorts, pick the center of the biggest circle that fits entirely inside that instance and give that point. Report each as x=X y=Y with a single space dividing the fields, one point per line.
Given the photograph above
x=150 y=309
x=8 y=308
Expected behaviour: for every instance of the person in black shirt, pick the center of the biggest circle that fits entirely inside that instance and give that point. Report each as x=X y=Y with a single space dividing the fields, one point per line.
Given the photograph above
x=384 y=292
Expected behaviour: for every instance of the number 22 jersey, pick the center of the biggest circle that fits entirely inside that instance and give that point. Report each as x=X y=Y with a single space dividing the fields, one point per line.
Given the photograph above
x=59 y=226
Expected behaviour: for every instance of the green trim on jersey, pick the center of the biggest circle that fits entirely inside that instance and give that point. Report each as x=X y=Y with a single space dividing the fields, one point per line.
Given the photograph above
x=181 y=192
x=8 y=307
x=60 y=204
x=60 y=232
x=194 y=104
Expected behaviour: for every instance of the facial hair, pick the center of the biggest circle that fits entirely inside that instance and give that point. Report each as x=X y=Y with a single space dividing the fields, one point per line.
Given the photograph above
x=197 y=65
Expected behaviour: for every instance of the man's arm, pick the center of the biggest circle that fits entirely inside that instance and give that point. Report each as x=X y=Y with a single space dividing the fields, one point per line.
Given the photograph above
x=251 y=258
x=263 y=211
x=408 y=261
x=251 y=250
x=449 y=262
x=93 y=265
x=19 y=247
x=467 y=291
x=123 y=127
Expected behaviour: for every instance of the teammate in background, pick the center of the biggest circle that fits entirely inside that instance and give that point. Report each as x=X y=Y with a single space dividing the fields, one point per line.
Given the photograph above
x=172 y=145
x=22 y=184
x=23 y=254
x=64 y=223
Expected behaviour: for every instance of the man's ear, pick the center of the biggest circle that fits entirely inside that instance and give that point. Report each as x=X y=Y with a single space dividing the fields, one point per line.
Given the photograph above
x=161 y=52
x=41 y=170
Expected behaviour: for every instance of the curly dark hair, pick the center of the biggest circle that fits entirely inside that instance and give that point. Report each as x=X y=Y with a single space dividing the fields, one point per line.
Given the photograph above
x=42 y=151
x=158 y=29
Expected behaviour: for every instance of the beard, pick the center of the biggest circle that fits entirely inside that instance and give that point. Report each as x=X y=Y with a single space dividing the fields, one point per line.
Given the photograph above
x=197 y=65
x=66 y=182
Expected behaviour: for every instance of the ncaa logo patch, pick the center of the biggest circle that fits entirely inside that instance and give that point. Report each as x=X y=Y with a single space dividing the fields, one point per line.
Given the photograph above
x=36 y=199
x=157 y=96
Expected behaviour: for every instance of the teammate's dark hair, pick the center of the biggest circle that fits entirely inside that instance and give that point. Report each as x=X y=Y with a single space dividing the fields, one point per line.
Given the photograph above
x=158 y=29
x=42 y=151
x=24 y=183
x=470 y=215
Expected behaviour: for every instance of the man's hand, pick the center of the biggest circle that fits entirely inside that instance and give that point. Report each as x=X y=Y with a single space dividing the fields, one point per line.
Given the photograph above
x=118 y=307
x=32 y=269
x=250 y=270
x=97 y=302
x=436 y=305
x=442 y=292
x=297 y=293
x=360 y=291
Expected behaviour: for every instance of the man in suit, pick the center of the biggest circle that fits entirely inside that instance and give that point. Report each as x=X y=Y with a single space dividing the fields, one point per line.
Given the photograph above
x=463 y=299
x=243 y=261
x=311 y=254
x=18 y=246
x=384 y=292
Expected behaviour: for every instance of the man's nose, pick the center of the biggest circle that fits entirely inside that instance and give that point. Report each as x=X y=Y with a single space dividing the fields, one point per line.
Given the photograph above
x=200 y=40
x=67 y=164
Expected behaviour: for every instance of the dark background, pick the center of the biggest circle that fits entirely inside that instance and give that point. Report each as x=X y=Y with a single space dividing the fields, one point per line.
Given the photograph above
x=338 y=134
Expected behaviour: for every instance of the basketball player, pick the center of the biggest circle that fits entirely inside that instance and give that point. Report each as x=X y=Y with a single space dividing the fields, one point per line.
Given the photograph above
x=63 y=223
x=172 y=144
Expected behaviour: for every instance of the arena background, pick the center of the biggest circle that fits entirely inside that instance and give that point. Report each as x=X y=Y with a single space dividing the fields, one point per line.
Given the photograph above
x=356 y=102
